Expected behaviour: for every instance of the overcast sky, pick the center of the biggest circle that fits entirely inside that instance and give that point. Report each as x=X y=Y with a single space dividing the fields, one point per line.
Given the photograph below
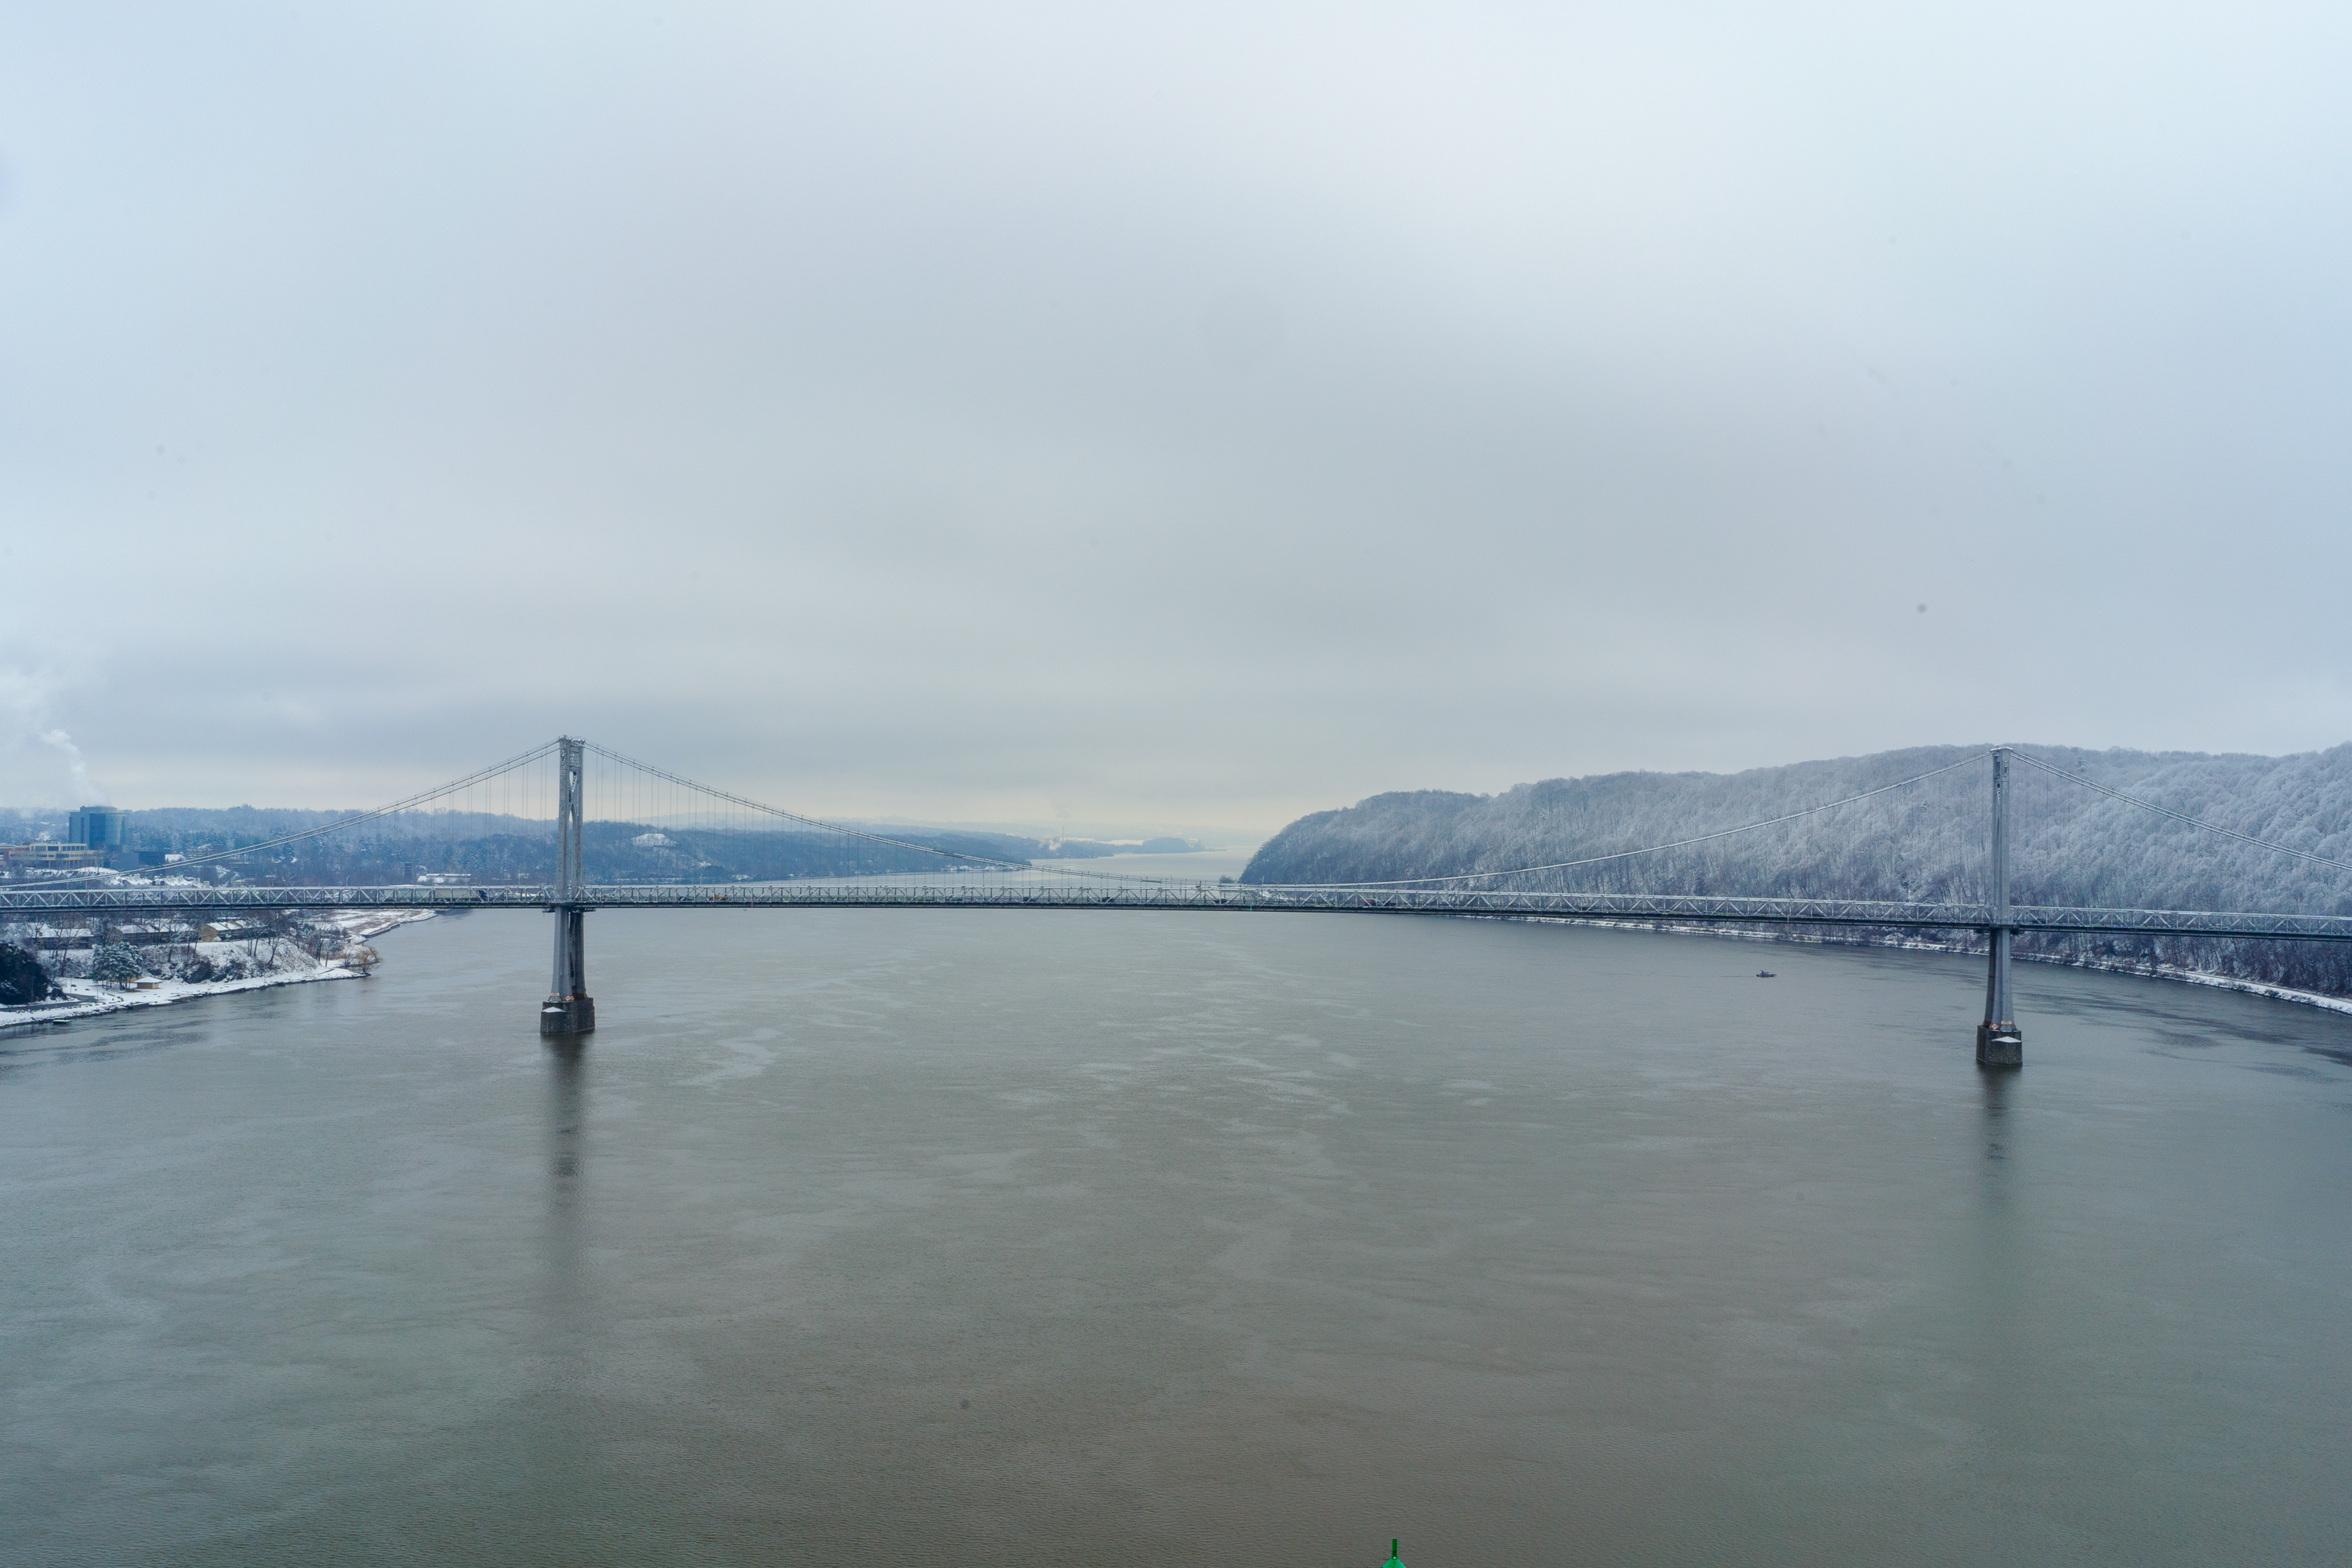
x=1192 y=414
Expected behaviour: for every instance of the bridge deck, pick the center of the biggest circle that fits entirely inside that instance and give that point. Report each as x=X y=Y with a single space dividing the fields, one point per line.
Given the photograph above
x=21 y=903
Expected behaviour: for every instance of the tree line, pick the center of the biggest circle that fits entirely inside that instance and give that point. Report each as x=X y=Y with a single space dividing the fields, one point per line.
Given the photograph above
x=2071 y=844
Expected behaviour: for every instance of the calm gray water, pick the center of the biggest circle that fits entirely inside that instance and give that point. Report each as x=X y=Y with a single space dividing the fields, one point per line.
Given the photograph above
x=911 y=1236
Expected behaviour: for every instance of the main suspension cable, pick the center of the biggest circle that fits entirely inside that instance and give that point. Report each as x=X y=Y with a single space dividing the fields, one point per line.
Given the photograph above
x=2182 y=815
x=804 y=821
x=997 y=862
x=357 y=817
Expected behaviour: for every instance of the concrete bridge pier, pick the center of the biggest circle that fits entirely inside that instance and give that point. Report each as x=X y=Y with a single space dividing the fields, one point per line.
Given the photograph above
x=2000 y=1044
x=569 y=1009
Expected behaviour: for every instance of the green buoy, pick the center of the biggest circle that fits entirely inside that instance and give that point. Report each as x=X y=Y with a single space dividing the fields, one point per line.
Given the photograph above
x=1394 y=1561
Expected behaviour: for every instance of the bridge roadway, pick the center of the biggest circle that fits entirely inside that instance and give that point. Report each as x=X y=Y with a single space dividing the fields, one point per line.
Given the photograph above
x=22 y=903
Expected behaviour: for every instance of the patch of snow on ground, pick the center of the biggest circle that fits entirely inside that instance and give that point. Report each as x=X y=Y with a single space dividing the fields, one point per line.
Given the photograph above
x=89 y=998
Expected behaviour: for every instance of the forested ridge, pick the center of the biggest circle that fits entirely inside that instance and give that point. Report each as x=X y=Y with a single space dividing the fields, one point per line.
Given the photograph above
x=492 y=847
x=2070 y=845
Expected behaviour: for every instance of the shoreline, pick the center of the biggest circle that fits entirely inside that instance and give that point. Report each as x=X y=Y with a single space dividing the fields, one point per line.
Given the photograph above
x=92 y=999
x=2207 y=978
x=97 y=998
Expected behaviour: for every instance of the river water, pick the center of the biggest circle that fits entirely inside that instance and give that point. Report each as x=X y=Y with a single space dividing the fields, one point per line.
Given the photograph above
x=924 y=1237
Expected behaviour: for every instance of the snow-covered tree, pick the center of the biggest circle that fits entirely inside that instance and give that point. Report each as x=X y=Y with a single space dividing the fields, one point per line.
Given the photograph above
x=116 y=961
x=2070 y=843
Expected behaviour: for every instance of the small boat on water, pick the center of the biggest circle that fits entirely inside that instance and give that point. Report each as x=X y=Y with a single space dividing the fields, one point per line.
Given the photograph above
x=1763 y=974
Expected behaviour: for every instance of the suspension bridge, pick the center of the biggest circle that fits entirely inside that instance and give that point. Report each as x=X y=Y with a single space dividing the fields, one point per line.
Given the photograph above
x=811 y=863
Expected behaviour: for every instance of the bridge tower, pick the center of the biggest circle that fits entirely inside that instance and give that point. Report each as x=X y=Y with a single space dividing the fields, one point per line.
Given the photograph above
x=1998 y=1043
x=570 y=1010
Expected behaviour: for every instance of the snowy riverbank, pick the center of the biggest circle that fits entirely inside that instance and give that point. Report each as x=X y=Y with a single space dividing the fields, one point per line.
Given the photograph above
x=90 y=998
x=289 y=965
x=2319 y=999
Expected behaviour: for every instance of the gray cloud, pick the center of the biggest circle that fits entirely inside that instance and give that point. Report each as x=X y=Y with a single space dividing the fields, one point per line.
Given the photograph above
x=1200 y=417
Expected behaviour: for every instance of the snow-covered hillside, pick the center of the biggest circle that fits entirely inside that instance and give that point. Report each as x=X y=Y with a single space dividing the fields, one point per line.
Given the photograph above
x=2071 y=844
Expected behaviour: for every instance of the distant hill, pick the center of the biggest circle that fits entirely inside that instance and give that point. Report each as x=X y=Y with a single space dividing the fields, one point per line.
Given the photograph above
x=2070 y=845
x=499 y=848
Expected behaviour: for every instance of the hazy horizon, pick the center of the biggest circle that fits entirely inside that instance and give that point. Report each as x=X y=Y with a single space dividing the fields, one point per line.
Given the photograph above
x=1211 y=836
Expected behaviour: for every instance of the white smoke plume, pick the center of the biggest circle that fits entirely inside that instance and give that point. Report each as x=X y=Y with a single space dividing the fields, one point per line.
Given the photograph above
x=84 y=793
x=40 y=767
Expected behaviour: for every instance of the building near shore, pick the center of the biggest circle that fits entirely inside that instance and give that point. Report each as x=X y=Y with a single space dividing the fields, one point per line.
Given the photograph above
x=66 y=937
x=96 y=827
x=49 y=855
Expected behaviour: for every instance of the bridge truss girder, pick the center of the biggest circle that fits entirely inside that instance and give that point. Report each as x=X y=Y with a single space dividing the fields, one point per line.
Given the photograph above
x=34 y=904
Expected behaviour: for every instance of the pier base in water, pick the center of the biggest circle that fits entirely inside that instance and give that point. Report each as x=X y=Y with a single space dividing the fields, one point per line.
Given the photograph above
x=572 y=1016
x=1999 y=1046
